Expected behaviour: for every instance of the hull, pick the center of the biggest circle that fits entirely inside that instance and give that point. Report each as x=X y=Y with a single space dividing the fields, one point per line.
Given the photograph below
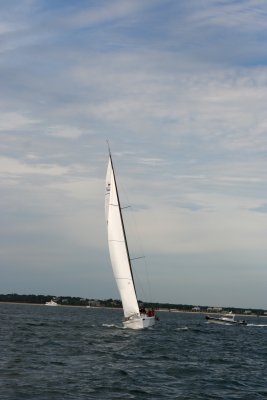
x=222 y=321
x=51 y=303
x=141 y=322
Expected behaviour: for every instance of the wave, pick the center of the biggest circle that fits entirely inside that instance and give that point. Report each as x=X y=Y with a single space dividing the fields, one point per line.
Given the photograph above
x=182 y=328
x=113 y=326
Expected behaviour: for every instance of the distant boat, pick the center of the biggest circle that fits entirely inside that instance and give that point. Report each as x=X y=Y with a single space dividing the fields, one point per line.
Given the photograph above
x=51 y=303
x=134 y=318
x=227 y=319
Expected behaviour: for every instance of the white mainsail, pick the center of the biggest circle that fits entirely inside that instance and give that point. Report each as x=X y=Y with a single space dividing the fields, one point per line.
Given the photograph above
x=118 y=246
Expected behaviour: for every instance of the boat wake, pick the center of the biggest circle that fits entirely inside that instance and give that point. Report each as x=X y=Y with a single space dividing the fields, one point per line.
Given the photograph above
x=113 y=326
x=182 y=328
x=260 y=325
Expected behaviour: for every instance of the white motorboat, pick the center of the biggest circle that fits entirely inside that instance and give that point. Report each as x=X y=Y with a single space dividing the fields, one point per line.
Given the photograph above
x=134 y=318
x=227 y=319
x=51 y=303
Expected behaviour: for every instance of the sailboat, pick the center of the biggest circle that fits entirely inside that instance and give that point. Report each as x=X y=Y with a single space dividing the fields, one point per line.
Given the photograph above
x=134 y=318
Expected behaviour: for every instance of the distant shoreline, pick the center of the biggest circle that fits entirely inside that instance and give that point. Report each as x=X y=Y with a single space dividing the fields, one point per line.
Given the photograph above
x=120 y=309
x=58 y=305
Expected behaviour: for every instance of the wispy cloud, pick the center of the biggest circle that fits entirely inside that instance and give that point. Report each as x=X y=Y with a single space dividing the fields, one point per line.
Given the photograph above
x=261 y=209
x=64 y=131
x=246 y=16
x=180 y=92
x=102 y=13
x=12 y=120
x=12 y=167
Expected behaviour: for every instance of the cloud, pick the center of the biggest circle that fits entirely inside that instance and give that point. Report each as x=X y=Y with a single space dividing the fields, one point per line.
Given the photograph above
x=64 y=131
x=104 y=13
x=247 y=16
x=218 y=227
x=14 y=168
x=180 y=92
x=10 y=121
x=6 y=27
x=261 y=209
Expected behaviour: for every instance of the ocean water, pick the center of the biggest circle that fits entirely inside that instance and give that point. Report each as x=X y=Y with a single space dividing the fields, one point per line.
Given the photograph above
x=77 y=353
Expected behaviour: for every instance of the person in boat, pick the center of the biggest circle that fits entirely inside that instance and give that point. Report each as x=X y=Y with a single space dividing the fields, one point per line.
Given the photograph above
x=142 y=310
x=151 y=313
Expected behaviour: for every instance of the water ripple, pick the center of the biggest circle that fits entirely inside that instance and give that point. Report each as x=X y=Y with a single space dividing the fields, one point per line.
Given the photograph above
x=73 y=353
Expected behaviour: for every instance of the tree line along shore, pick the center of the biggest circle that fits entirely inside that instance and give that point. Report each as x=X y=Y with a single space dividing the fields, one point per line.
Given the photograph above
x=111 y=303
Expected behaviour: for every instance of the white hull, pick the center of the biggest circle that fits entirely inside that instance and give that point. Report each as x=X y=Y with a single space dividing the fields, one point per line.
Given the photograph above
x=219 y=322
x=51 y=303
x=141 y=322
x=224 y=321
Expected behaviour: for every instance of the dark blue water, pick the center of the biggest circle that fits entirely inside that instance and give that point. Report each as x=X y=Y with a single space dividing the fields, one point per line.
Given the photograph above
x=77 y=353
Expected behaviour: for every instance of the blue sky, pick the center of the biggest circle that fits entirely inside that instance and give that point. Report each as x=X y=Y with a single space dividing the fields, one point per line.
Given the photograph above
x=179 y=90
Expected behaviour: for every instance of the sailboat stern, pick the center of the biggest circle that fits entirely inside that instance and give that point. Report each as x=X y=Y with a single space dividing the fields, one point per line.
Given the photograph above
x=139 y=322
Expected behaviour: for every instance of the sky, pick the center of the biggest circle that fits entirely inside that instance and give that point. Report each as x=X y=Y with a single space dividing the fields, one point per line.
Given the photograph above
x=179 y=89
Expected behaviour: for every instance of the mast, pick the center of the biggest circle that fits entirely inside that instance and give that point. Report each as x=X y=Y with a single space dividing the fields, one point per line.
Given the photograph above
x=122 y=223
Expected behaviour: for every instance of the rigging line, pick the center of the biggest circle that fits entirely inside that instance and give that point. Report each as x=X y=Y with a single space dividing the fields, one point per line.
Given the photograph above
x=146 y=293
x=143 y=295
x=116 y=205
x=140 y=244
x=141 y=272
x=137 y=276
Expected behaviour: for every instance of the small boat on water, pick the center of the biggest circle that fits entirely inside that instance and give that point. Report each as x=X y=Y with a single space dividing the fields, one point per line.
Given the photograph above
x=51 y=303
x=135 y=317
x=227 y=319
